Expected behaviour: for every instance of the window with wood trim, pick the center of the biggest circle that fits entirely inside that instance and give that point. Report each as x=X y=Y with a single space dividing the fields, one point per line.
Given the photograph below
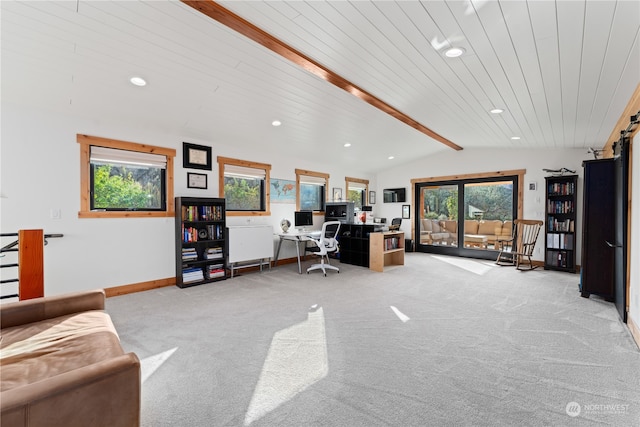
x=311 y=190
x=245 y=186
x=120 y=179
x=357 y=190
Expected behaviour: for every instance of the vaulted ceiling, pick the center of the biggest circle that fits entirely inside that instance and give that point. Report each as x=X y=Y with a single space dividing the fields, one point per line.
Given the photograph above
x=562 y=71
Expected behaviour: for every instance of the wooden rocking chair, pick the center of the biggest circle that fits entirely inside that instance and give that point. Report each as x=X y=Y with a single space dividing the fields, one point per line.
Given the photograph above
x=518 y=249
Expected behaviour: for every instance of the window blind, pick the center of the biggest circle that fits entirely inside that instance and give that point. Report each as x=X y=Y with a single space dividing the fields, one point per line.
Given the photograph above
x=245 y=172
x=357 y=186
x=314 y=180
x=114 y=155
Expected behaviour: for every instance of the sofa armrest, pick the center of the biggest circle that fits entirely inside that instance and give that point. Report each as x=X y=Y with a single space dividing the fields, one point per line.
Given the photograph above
x=103 y=394
x=37 y=309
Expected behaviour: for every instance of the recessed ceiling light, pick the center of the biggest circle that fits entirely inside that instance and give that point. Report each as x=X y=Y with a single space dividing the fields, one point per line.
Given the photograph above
x=138 y=81
x=454 y=52
x=276 y=123
x=497 y=111
x=348 y=144
x=391 y=157
x=515 y=138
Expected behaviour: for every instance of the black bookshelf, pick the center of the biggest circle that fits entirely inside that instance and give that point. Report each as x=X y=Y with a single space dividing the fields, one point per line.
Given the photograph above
x=201 y=249
x=354 y=243
x=560 y=234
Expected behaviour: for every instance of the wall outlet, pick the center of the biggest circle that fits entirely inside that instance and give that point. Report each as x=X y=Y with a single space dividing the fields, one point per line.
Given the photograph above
x=55 y=214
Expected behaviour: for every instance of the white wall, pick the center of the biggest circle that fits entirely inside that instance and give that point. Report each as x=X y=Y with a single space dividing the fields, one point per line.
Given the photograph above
x=470 y=161
x=40 y=162
x=40 y=171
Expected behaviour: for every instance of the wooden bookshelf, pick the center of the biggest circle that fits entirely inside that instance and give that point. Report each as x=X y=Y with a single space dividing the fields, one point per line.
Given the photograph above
x=386 y=248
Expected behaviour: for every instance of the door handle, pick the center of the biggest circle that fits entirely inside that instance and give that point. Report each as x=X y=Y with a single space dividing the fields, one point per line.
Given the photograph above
x=611 y=245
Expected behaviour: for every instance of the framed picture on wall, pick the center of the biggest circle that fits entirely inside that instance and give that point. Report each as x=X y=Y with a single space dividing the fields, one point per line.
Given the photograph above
x=406 y=211
x=372 y=197
x=337 y=194
x=196 y=156
x=196 y=180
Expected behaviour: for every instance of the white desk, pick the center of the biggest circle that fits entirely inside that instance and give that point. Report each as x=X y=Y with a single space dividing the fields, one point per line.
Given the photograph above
x=295 y=236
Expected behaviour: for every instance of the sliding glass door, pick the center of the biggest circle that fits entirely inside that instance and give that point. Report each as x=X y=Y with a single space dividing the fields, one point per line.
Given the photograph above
x=465 y=217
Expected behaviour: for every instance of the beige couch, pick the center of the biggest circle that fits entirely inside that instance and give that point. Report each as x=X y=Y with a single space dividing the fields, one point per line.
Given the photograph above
x=62 y=365
x=432 y=232
x=476 y=233
x=487 y=232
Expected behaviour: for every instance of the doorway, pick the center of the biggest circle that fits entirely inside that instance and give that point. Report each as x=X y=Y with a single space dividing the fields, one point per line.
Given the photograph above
x=467 y=216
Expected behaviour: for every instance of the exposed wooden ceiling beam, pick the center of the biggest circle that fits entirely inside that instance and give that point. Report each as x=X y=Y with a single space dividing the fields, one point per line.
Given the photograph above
x=224 y=16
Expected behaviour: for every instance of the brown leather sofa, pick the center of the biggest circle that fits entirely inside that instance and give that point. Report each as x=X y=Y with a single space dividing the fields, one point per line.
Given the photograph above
x=61 y=364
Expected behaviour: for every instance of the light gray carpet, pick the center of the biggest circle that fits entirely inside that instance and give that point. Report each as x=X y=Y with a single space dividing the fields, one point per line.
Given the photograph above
x=439 y=341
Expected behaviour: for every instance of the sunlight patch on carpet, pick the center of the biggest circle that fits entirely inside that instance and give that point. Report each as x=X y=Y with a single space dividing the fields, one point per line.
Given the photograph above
x=296 y=359
x=150 y=364
x=477 y=267
x=400 y=314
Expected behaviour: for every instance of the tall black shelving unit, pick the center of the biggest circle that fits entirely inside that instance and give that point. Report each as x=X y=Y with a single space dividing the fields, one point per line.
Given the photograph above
x=201 y=246
x=560 y=233
x=598 y=229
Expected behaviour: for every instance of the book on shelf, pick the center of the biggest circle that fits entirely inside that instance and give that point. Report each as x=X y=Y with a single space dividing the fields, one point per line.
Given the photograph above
x=193 y=234
x=192 y=275
x=559 y=241
x=202 y=213
x=214 y=253
x=559 y=206
x=215 y=231
x=215 y=270
x=189 y=253
x=554 y=225
x=559 y=259
x=391 y=243
x=561 y=188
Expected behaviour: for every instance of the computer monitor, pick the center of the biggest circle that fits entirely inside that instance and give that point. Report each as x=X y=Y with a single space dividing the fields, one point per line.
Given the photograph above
x=303 y=219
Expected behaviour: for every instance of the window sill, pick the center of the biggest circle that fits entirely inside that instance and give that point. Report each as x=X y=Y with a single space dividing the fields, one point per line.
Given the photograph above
x=248 y=213
x=124 y=214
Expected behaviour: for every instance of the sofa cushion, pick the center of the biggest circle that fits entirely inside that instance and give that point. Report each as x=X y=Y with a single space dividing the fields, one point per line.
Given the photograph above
x=426 y=225
x=435 y=226
x=450 y=226
x=439 y=236
x=470 y=226
x=488 y=228
x=44 y=349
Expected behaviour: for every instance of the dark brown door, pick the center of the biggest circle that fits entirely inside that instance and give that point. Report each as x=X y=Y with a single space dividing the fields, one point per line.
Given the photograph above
x=621 y=170
x=598 y=229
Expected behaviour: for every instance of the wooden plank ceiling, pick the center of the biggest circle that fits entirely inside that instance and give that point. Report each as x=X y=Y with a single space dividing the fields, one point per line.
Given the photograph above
x=562 y=71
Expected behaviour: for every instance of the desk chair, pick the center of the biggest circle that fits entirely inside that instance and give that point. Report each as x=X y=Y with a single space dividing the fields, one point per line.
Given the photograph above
x=395 y=224
x=326 y=244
